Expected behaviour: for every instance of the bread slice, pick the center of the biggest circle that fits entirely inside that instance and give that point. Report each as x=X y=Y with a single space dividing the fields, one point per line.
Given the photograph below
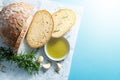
x=40 y=30
x=64 y=19
x=22 y=34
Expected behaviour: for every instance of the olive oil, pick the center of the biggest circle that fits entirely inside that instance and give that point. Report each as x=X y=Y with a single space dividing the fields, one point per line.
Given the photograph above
x=57 y=48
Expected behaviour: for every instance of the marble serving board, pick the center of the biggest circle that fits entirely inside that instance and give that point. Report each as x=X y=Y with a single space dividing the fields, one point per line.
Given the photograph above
x=11 y=72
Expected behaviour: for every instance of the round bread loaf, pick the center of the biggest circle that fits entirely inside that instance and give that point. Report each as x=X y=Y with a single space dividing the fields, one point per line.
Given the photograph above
x=40 y=30
x=64 y=19
x=14 y=23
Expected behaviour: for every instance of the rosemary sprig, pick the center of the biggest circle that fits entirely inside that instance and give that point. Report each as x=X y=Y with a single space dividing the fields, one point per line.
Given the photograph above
x=26 y=61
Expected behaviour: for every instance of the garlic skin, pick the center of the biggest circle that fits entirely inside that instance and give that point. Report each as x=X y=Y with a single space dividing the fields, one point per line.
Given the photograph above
x=59 y=67
x=40 y=59
x=46 y=66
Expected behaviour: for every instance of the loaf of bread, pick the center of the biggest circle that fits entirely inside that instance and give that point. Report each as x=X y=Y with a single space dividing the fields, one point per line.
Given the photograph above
x=40 y=30
x=64 y=19
x=14 y=23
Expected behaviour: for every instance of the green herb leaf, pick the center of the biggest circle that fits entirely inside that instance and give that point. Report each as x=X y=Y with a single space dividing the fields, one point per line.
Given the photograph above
x=26 y=61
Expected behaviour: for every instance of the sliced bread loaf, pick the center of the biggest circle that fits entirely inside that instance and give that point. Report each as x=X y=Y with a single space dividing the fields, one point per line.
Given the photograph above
x=13 y=23
x=64 y=19
x=40 y=30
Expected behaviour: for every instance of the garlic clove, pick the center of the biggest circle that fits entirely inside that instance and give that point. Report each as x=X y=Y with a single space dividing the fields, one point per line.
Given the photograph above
x=46 y=66
x=40 y=59
x=59 y=67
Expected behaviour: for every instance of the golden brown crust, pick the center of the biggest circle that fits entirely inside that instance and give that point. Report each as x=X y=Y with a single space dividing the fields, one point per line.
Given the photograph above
x=25 y=5
x=19 y=39
x=22 y=35
x=13 y=21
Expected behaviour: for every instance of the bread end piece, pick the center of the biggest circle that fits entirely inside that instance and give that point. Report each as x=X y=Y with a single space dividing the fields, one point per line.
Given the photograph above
x=22 y=35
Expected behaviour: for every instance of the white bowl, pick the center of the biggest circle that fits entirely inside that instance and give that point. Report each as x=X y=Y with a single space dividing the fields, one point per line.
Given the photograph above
x=57 y=59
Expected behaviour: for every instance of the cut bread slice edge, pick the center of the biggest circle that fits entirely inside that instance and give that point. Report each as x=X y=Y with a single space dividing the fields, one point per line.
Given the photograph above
x=22 y=35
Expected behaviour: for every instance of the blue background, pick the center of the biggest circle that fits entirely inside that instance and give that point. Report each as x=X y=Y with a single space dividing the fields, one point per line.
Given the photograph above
x=97 y=51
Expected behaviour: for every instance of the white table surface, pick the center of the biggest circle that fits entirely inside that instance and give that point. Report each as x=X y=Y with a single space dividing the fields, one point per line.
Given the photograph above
x=13 y=73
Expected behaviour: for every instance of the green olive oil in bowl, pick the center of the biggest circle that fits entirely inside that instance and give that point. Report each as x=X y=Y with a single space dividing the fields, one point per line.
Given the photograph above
x=57 y=49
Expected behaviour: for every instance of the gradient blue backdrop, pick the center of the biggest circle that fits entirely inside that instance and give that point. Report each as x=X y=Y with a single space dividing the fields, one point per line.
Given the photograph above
x=97 y=51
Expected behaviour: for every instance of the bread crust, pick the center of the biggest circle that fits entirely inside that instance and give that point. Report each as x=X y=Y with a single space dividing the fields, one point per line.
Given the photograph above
x=64 y=19
x=22 y=35
x=13 y=22
x=40 y=30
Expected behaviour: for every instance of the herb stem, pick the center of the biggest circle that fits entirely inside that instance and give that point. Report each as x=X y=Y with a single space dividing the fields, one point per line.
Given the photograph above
x=26 y=61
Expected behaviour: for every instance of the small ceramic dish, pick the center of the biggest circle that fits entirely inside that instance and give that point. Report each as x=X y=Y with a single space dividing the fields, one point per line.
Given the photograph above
x=57 y=49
